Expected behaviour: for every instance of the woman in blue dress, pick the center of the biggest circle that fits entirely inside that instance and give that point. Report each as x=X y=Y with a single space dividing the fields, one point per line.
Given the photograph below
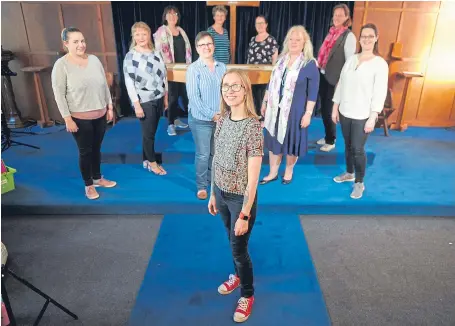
x=289 y=103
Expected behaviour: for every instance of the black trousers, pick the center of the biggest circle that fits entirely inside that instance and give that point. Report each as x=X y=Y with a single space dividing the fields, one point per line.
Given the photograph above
x=258 y=96
x=175 y=91
x=326 y=92
x=355 y=138
x=89 y=137
x=229 y=205
x=149 y=124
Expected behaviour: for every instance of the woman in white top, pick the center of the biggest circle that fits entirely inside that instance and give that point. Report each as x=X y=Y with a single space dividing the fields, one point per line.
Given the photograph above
x=359 y=98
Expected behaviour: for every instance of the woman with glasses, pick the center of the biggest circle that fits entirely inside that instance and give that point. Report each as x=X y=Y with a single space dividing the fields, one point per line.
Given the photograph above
x=359 y=98
x=220 y=35
x=173 y=44
x=289 y=103
x=339 y=44
x=235 y=174
x=262 y=50
x=203 y=81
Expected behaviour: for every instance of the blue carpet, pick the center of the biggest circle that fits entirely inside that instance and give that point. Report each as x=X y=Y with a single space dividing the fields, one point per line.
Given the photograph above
x=409 y=173
x=192 y=257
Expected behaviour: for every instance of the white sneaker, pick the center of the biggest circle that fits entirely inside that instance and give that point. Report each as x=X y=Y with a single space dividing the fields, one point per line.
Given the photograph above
x=327 y=147
x=344 y=177
x=321 y=141
x=171 y=130
x=179 y=124
x=357 y=192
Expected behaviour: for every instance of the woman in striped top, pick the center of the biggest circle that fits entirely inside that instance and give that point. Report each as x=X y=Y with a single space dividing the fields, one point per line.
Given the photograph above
x=146 y=83
x=203 y=81
x=220 y=35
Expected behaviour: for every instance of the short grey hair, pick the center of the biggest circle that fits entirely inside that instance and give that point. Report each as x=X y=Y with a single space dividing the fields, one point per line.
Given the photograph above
x=220 y=9
x=201 y=35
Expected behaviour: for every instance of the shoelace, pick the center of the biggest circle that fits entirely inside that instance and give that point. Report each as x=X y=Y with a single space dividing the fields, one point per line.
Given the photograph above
x=243 y=304
x=232 y=280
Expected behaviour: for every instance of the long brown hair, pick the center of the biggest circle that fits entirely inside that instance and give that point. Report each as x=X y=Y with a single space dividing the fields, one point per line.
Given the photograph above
x=249 y=103
x=143 y=26
x=375 y=29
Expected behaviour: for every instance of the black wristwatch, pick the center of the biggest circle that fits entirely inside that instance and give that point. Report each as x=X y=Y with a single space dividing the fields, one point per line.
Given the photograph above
x=243 y=216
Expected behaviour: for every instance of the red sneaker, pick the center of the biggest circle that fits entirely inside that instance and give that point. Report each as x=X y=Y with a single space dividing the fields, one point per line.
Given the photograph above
x=230 y=285
x=243 y=310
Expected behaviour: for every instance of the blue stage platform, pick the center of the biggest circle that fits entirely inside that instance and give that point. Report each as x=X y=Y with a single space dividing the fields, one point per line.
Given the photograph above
x=409 y=173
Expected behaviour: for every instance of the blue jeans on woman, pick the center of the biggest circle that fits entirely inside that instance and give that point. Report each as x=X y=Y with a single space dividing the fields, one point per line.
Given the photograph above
x=203 y=135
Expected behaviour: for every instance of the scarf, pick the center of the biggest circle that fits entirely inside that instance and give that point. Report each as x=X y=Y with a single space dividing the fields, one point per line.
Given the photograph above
x=327 y=45
x=273 y=100
x=164 y=42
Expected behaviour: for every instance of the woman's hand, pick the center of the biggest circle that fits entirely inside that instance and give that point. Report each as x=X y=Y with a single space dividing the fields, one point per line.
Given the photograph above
x=71 y=126
x=110 y=115
x=369 y=125
x=212 y=205
x=166 y=102
x=335 y=116
x=139 y=111
x=241 y=227
x=306 y=119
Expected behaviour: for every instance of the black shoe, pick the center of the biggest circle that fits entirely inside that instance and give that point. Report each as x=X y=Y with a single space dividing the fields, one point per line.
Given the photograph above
x=263 y=182
x=286 y=182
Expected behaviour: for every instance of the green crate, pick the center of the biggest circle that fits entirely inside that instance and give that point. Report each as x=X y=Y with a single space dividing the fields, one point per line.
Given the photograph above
x=8 y=180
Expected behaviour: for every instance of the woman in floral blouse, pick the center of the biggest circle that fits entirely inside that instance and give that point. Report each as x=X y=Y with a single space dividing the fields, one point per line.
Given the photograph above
x=263 y=49
x=173 y=44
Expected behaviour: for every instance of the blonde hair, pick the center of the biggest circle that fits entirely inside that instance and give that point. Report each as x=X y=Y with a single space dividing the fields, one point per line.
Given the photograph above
x=220 y=9
x=307 y=45
x=135 y=27
x=249 y=103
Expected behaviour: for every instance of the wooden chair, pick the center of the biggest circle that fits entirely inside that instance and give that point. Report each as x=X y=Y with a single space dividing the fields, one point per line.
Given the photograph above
x=386 y=112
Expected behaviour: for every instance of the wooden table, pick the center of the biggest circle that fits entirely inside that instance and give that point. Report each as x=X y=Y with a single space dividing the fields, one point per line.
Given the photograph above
x=401 y=114
x=258 y=74
x=44 y=112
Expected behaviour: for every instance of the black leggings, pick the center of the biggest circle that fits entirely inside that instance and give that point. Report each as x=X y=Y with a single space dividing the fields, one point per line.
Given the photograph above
x=89 y=138
x=149 y=123
x=355 y=138
x=326 y=92
x=176 y=90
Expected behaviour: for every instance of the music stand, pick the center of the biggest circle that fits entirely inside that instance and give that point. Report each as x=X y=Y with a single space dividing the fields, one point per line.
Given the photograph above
x=5 y=297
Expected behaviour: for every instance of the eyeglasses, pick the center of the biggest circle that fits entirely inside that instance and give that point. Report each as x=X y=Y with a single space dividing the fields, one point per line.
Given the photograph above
x=234 y=87
x=368 y=37
x=203 y=45
x=173 y=14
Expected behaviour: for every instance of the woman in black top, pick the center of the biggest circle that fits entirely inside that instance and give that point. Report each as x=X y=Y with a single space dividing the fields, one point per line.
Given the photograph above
x=262 y=50
x=173 y=44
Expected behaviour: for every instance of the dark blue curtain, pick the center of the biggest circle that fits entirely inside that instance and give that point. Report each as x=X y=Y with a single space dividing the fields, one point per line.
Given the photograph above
x=196 y=17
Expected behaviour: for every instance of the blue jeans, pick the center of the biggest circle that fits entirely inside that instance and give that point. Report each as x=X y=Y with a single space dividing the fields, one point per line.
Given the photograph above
x=229 y=205
x=203 y=132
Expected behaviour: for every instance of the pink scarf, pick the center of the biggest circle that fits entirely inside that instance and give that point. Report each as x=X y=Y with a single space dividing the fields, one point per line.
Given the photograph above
x=327 y=45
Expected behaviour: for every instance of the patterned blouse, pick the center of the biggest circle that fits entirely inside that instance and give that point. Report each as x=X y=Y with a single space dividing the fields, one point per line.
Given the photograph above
x=145 y=76
x=262 y=52
x=235 y=142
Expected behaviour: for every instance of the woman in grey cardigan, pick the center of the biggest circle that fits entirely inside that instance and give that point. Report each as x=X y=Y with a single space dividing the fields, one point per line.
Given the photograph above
x=84 y=101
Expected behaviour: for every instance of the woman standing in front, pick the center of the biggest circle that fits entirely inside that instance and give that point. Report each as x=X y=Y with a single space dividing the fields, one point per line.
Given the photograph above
x=220 y=35
x=338 y=46
x=173 y=44
x=236 y=168
x=262 y=50
x=358 y=99
x=84 y=101
x=289 y=103
x=146 y=83
x=203 y=80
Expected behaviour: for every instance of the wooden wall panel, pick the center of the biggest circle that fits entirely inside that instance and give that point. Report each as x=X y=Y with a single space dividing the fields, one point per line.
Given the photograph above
x=418 y=40
x=425 y=30
x=40 y=24
x=43 y=26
